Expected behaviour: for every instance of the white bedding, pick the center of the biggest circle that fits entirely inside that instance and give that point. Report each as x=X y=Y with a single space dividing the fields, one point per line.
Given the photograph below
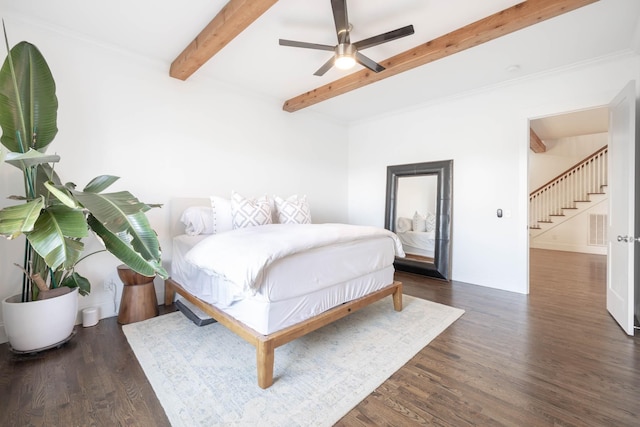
x=295 y=287
x=211 y=289
x=418 y=242
x=242 y=255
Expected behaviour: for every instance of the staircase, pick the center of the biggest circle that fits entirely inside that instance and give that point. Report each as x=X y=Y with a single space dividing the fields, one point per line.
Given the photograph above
x=565 y=195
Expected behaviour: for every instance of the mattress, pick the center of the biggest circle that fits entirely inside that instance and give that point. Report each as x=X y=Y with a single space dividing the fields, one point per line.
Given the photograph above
x=294 y=288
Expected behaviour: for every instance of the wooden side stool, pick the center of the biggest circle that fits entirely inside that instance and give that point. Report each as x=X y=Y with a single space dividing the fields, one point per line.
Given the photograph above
x=138 y=300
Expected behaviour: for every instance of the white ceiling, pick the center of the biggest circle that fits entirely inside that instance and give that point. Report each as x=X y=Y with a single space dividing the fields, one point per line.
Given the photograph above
x=575 y=123
x=161 y=29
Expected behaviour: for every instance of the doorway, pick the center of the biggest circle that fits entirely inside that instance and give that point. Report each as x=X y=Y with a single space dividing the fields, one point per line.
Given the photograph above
x=563 y=142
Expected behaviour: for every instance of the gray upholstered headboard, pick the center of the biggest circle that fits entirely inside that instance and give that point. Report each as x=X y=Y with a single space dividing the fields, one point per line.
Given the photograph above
x=177 y=206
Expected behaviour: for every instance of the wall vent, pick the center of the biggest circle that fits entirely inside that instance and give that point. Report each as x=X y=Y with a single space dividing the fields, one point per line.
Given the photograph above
x=597 y=230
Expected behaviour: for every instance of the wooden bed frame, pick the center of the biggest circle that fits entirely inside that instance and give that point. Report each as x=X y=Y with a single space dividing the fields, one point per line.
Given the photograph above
x=266 y=344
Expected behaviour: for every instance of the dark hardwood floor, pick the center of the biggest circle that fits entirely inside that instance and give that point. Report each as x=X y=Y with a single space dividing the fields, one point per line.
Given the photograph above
x=551 y=358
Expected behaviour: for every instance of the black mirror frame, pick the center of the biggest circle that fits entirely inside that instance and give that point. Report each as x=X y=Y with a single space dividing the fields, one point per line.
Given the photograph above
x=441 y=268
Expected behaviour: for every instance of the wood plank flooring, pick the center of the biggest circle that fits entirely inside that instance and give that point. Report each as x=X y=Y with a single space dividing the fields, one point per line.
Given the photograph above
x=551 y=358
x=554 y=357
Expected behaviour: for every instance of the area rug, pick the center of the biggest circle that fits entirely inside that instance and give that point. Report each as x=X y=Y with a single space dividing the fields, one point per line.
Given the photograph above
x=206 y=376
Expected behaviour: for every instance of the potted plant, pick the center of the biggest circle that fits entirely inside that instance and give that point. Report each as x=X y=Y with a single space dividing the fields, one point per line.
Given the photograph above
x=55 y=216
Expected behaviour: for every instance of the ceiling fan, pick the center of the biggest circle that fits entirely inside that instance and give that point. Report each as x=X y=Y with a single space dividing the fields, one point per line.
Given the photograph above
x=346 y=54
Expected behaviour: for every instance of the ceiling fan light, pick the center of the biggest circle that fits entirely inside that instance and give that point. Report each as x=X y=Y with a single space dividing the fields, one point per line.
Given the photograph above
x=344 y=62
x=345 y=56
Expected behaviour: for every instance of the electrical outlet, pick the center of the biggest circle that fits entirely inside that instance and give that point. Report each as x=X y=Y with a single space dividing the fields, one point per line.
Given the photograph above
x=109 y=286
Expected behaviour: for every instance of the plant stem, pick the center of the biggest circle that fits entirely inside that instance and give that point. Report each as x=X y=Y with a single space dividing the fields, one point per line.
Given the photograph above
x=25 y=279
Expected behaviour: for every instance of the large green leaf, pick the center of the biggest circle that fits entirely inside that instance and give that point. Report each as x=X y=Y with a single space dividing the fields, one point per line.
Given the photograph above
x=123 y=215
x=100 y=183
x=30 y=158
x=28 y=102
x=18 y=219
x=63 y=194
x=77 y=281
x=56 y=236
x=44 y=174
x=125 y=252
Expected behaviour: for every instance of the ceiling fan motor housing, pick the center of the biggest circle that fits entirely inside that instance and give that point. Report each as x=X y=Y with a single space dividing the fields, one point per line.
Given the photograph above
x=344 y=49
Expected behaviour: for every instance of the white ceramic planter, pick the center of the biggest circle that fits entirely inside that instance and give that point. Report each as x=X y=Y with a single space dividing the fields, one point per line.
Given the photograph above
x=37 y=325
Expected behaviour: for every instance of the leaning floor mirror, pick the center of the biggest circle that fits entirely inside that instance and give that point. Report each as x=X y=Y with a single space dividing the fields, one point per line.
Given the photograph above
x=418 y=210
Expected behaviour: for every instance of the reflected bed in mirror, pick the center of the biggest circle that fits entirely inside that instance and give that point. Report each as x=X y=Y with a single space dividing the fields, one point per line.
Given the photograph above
x=418 y=210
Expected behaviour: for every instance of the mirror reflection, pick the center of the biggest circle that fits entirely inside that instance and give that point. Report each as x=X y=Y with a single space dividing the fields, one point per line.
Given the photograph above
x=416 y=205
x=418 y=210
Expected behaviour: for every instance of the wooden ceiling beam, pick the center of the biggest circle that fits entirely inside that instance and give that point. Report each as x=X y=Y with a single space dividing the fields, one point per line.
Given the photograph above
x=499 y=24
x=233 y=19
x=535 y=143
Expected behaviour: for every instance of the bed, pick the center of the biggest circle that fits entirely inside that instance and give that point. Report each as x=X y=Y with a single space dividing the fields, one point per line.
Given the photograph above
x=249 y=297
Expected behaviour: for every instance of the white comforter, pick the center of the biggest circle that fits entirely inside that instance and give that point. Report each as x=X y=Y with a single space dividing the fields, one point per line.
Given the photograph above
x=242 y=255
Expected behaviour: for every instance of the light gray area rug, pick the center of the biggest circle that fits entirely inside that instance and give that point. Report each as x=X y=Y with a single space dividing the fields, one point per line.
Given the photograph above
x=206 y=376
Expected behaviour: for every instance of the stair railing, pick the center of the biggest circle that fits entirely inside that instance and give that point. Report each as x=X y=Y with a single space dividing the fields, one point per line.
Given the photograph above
x=574 y=185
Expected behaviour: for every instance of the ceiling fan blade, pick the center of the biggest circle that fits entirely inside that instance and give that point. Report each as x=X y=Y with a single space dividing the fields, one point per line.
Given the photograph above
x=383 y=38
x=293 y=43
x=369 y=63
x=326 y=67
x=341 y=19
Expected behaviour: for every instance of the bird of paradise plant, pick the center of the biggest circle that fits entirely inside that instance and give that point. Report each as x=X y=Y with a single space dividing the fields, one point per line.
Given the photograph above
x=56 y=217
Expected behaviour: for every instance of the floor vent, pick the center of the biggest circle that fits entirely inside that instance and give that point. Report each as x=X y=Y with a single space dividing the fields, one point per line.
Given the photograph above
x=598 y=230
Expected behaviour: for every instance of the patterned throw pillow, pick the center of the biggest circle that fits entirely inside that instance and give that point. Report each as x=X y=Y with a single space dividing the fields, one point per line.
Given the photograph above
x=431 y=222
x=249 y=213
x=419 y=222
x=293 y=210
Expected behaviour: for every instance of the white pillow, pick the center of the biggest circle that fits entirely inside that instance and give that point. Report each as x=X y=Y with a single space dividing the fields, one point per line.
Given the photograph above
x=419 y=222
x=197 y=220
x=248 y=212
x=222 y=219
x=404 y=225
x=293 y=210
x=431 y=222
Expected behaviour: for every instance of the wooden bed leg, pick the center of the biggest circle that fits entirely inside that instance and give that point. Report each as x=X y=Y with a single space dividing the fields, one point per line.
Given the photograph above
x=397 y=297
x=265 y=357
x=169 y=293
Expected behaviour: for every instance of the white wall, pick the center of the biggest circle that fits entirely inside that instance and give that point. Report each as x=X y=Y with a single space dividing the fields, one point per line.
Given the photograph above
x=122 y=115
x=416 y=194
x=486 y=133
